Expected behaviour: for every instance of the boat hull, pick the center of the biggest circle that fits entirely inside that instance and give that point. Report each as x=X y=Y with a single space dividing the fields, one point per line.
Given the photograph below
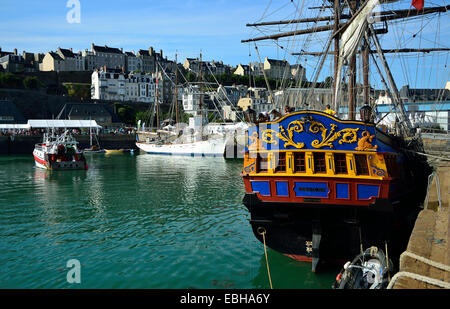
x=42 y=162
x=212 y=148
x=289 y=227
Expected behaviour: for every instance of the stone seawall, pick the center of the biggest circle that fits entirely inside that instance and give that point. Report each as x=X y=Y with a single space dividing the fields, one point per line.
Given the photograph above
x=25 y=144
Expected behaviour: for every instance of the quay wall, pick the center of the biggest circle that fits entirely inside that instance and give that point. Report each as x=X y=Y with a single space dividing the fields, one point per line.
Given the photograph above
x=25 y=144
x=428 y=252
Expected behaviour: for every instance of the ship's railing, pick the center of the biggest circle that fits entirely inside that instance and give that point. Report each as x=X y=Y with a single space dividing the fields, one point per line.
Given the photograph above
x=321 y=163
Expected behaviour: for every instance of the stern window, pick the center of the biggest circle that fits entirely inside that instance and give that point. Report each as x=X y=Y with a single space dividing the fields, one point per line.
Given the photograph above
x=299 y=162
x=281 y=166
x=340 y=163
x=319 y=162
x=361 y=164
x=262 y=163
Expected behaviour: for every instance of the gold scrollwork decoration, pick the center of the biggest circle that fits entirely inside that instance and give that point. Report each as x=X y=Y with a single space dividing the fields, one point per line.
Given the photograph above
x=347 y=135
x=288 y=135
x=268 y=136
x=254 y=142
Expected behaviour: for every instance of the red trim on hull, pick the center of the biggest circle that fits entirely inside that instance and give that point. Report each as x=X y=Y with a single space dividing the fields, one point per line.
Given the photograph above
x=46 y=163
x=301 y=258
x=331 y=198
x=43 y=162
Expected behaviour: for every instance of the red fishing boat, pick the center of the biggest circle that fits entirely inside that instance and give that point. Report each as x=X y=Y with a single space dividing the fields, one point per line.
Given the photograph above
x=59 y=153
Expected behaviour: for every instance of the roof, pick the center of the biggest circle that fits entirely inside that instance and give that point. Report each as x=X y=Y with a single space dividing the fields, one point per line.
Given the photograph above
x=143 y=52
x=55 y=56
x=14 y=126
x=277 y=62
x=106 y=49
x=67 y=53
x=51 y=123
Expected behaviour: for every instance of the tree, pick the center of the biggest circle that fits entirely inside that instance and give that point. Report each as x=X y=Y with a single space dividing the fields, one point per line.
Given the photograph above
x=127 y=114
x=31 y=83
x=328 y=82
x=9 y=80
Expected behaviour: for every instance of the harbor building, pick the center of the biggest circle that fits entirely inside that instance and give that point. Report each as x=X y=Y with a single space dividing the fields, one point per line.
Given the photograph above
x=63 y=60
x=426 y=108
x=114 y=84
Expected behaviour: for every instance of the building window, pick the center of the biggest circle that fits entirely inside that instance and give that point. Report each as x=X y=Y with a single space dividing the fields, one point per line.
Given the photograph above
x=391 y=165
x=281 y=166
x=361 y=164
x=262 y=163
x=319 y=162
x=340 y=163
x=299 y=162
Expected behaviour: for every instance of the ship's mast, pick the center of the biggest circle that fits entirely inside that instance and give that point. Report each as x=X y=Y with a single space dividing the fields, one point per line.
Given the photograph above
x=156 y=100
x=176 y=91
x=199 y=112
x=337 y=11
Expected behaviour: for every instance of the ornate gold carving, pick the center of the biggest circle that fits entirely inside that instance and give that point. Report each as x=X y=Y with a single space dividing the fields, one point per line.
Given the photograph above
x=347 y=135
x=268 y=136
x=255 y=143
x=364 y=143
x=287 y=135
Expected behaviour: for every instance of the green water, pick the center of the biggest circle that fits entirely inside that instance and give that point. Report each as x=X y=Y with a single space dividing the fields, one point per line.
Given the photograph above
x=136 y=221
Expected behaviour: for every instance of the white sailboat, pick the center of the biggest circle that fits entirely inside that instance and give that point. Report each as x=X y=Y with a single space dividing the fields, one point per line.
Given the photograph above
x=192 y=140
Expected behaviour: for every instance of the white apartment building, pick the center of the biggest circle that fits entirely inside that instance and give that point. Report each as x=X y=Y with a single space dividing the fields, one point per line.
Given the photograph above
x=113 y=84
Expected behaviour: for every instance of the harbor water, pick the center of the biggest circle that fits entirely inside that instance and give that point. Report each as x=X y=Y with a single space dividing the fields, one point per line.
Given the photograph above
x=136 y=221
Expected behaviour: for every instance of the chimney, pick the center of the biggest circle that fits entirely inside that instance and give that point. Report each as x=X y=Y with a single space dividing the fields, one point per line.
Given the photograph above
x=92 y=46
x=160 y=53
x=121 y=50
x=71 y=49
x=150 y=50
x=15 y=51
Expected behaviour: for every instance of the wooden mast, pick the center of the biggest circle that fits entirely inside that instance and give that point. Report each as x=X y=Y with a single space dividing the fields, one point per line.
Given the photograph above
x=176 y=91
x=352 y=76
x=365 y=57
x=385 y=51
x=156 y=98
x=336 y=43
x=199 y=112
x=384 y=16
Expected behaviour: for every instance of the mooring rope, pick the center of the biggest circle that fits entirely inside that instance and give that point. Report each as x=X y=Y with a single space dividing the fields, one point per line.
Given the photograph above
x=417 y=277
x=425 y=260
x=263 y=233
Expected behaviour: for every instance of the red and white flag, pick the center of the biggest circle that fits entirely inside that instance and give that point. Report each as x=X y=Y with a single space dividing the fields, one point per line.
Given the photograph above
x=418 y=4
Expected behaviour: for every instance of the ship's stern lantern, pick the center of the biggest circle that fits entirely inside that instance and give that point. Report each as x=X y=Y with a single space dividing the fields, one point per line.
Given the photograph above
x=365 y=113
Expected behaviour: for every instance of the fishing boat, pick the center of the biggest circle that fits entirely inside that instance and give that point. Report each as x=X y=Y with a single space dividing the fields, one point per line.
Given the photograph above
x=59 y=152
x=319 y=187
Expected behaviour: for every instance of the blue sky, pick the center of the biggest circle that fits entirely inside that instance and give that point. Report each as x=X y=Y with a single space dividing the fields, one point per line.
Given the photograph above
x=216 y=27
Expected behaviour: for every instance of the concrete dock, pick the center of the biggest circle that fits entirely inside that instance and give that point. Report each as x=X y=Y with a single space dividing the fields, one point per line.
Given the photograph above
x=426 y=262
